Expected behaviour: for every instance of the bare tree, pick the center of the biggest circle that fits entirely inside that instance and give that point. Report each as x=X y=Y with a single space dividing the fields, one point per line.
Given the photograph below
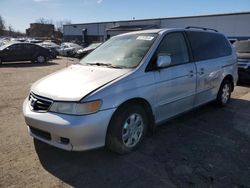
x=44 y=21
x=59 y=25
x=10 y=30
x=2 y=25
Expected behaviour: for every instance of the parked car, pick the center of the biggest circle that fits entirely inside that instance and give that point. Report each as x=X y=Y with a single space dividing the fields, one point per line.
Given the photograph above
x=34 y=41
x=53 y=47
x=69 y=49
x=23 y=52
x=243 y=53
x=83 y=52
x=129 y=85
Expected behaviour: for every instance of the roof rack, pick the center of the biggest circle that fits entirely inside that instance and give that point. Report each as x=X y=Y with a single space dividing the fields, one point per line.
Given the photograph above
x=203 y=28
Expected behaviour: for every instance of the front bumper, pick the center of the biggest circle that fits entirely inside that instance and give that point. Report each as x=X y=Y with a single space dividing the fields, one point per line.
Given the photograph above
x=82 y=132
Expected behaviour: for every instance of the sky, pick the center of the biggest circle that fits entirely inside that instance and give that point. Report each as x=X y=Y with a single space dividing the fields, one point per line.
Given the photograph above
x=20 y=13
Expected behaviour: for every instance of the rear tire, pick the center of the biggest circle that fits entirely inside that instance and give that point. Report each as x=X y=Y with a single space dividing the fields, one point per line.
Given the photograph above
x=127 y=129
x=41 y=59
x=224 y=94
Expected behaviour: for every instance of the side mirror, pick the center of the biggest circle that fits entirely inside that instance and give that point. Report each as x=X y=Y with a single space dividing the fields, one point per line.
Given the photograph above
x=163 y=60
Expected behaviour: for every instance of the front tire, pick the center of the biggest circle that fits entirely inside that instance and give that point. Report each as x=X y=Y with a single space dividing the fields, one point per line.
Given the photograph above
x=127 y=129
x=224 y=94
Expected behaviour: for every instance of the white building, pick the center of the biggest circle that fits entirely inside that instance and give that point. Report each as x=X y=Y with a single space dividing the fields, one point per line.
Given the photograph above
x=233 y=25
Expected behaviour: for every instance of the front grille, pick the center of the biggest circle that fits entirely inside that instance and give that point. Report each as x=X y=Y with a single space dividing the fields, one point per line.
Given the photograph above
x=38 y=103
x=40 y=133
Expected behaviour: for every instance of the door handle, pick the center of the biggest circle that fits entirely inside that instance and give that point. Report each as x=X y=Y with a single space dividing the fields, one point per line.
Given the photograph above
x=191 y=73
x=201 y=71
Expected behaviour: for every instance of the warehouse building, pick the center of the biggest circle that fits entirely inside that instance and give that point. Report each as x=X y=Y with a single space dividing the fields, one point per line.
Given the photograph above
x=233 y=25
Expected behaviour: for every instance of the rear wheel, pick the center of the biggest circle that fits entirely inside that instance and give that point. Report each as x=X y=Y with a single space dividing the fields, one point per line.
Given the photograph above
x=224 y=94
x=127 y=129
x=41 y=59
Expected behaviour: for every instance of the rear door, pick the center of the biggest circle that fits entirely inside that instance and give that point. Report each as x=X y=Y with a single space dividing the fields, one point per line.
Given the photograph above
x=24 y=52
x=209 y=50
x=176 y=84
x=29 y=51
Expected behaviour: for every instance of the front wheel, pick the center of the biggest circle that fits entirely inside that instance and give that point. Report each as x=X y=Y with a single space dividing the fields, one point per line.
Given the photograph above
x=127 y=129
x=224 y=93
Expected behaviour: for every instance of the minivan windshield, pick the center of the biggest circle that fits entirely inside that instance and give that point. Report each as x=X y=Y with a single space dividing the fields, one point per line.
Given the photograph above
x=125 y=51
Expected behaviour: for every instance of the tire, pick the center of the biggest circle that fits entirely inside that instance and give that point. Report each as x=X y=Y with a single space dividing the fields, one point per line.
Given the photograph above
x=127 y=129
x=224 y=94
x=1 y=62
x=41 y=59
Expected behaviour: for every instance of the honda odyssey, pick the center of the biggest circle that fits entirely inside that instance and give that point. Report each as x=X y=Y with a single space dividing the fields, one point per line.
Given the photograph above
x=129 y=85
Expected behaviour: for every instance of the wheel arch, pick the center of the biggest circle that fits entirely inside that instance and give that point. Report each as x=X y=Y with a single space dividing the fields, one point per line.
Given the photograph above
x=229 y=77
x=139 y=101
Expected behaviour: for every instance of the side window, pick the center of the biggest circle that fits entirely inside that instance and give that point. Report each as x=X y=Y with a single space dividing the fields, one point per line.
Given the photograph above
x=174 y=44
x=28 y=46
x=12 y=47
x=208 y=45
x=15 y=47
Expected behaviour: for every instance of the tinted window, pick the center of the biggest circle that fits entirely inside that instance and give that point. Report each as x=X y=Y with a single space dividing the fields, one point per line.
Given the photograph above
x=15 y=47
x=208 y=45
x=174 y=44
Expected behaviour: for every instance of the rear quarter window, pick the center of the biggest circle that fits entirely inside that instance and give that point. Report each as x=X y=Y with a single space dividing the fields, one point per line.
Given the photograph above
x=206 y=45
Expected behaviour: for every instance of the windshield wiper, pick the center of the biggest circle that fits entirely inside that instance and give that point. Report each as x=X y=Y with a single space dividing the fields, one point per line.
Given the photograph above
x=107 y=65
x=100 y=64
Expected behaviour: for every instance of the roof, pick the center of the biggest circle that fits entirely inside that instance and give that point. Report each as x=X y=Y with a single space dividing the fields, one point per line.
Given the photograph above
x=182 y=17
x=148 y=31
x=131 y=27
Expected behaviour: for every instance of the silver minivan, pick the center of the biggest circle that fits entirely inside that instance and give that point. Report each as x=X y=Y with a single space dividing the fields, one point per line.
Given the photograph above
x=128 y=86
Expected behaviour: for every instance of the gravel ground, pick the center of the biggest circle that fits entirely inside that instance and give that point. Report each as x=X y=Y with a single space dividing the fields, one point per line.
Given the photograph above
x=207 y=147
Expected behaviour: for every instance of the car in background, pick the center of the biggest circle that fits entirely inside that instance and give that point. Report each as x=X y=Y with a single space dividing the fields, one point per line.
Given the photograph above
x=243 y=54
x=83 y=52
x=53 y=47
x=69 y=49
x=34 y=41
x=20 y=51
x=2 y=42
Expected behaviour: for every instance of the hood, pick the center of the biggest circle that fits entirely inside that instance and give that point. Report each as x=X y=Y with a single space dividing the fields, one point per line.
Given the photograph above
x=75 y=82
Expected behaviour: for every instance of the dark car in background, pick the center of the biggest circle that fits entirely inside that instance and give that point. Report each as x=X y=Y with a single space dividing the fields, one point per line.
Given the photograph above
x=243 y=55
x=83 y=52
x=23 y=52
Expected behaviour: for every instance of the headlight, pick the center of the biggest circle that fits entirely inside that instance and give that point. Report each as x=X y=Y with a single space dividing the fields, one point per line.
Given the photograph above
x=76 y=108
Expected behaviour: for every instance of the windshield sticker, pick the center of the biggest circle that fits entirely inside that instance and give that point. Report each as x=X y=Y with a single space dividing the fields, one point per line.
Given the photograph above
x=145 y=38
